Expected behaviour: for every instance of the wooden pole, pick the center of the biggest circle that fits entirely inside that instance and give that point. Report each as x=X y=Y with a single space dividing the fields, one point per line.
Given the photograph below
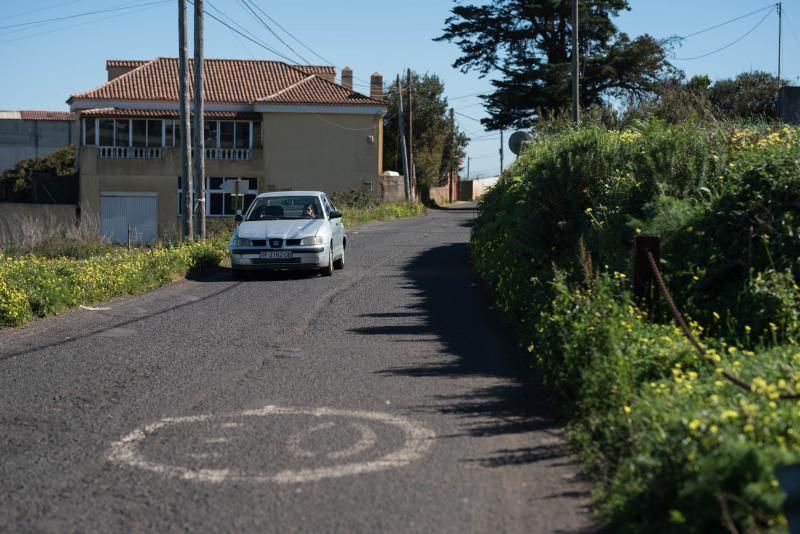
x=199 y=127
x=780 y=40
x=412 y=169
x=402 y=140
x=184 y=126
x=501 y=151
x=576 y=113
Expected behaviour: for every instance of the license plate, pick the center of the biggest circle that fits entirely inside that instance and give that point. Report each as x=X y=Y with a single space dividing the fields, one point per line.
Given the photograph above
x=276 y=254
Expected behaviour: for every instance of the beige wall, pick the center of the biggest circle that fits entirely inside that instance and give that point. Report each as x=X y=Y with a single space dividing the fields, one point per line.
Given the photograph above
x=151 y=176
x=315 y=151
x=328 y=152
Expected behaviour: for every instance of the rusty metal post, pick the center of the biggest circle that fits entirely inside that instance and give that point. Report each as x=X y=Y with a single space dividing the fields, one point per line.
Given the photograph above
x=644 y=287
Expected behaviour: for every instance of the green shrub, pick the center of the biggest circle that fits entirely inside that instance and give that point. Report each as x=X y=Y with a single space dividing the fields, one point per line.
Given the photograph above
x=32 y=286
x=672 y=445
x=382 y=212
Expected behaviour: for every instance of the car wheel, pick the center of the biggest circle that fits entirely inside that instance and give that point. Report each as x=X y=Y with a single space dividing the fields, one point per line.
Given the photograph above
x=328 y=270
x=339 y=264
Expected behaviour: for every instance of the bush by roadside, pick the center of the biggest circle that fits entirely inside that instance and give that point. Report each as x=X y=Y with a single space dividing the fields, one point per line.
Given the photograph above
x=386 y=211
x=671 y=444
x=32 y=286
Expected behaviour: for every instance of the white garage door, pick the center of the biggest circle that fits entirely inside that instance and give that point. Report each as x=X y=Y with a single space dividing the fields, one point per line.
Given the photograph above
x=118 y=210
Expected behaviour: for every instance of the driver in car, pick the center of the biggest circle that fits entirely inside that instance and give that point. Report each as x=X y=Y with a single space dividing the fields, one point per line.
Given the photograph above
x=310 y=211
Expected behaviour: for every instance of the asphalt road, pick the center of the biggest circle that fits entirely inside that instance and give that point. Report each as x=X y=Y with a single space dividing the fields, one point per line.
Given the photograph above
x=382 y=399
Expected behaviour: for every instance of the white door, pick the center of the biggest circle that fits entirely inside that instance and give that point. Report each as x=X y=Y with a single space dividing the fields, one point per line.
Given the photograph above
x=140 y=211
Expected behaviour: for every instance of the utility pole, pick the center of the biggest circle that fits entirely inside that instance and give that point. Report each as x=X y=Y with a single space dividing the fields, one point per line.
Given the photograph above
x=468 y=160
x=402 y=137
x=411 y=165
x=576 y=113
x=780 y=39
x=199 y=128
x=184 y=127
x=501 y=151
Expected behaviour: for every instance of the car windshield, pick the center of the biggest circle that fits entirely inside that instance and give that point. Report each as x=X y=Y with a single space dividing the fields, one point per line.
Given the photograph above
x=288 y=207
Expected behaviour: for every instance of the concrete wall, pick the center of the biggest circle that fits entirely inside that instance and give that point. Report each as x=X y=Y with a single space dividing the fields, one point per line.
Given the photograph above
x=317 y=151
x=392 y=188
x=152 y=176
x=25 y=139
x=446 y=193
x=789 y=104
x=474 y=189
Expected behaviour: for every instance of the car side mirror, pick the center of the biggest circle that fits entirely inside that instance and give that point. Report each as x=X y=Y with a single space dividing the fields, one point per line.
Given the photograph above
x=238 y=218
x=336 y=214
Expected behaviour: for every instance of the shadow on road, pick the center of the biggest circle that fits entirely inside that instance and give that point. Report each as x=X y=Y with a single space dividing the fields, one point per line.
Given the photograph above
x=454 y=311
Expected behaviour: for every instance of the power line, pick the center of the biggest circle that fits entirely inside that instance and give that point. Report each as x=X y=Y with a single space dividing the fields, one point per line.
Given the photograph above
x=268 y=27
x=327 y=62
x=467 y=116
x=232 y=21
x=470 y=105
x=467 y=96
x=791 y=27
x=67 y=17
x=262 y=45
x=721 y=24
x=144 y=7
x=40 y=9
x=729 y=44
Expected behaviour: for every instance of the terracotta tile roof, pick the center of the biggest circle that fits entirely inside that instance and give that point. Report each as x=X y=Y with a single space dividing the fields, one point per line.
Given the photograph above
x=324 y=71
x=165 y=114
x=125 y=63
x=315 y=90
x=228 y=81
x=47 y=116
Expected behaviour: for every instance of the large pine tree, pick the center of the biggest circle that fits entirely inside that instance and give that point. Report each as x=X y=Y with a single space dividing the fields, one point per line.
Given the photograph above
x=528 y=42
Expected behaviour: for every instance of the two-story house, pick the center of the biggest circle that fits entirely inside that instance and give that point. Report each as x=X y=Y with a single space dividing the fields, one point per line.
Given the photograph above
x=279 y=126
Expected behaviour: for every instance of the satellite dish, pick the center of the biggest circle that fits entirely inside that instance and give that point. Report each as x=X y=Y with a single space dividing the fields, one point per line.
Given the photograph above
x=517 y=139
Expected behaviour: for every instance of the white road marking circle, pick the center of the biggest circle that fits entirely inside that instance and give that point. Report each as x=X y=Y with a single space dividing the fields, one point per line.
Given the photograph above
x=418 y=440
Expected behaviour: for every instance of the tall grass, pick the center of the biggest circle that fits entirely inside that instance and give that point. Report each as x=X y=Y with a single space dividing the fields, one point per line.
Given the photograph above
x=46 y=234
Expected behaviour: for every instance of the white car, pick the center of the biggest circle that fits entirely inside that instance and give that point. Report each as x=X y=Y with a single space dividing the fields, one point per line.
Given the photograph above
x=289 y=230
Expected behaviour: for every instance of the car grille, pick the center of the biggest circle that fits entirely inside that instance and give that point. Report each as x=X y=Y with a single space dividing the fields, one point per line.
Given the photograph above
x=284 y=261
x=292 y=242
x=259 y=242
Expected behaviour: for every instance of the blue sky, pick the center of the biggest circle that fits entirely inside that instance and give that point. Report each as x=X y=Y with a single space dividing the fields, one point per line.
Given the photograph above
x=42 y=64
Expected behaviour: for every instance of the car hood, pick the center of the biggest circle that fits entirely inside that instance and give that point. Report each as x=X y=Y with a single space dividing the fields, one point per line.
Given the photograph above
x=285 y=228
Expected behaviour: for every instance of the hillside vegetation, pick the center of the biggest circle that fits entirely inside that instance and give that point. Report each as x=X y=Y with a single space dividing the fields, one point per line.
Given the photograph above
x=671 y=443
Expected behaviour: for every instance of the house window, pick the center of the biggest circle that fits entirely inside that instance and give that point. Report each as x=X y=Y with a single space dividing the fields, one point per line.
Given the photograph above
x=210 y=128
x=226 y=134
x=155 y=133
x=106 y=132
x=89 y=130
x=122 y=132
x=221 y=203
x=243 y=134
x=170 y=128
x=256 y=134
x=139 y=132
x=232 y=134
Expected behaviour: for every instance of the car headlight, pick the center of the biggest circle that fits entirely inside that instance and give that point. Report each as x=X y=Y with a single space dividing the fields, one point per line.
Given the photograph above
x=316 y=240
x=244 y=242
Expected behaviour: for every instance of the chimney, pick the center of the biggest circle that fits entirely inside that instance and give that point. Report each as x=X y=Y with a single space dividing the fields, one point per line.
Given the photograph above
x=376 y=86
x=347 y=78
x=118 y=67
